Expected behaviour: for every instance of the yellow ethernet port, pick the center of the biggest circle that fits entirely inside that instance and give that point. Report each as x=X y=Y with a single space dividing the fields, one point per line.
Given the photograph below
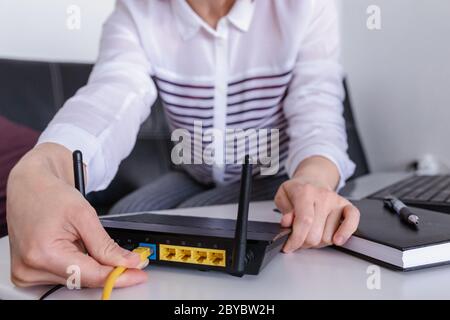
x=167 y=253
x=184 y=254
x=217 y=258
x=202 y=256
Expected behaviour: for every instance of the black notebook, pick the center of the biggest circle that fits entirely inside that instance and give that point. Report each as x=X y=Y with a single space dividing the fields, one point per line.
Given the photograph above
x=383 y=238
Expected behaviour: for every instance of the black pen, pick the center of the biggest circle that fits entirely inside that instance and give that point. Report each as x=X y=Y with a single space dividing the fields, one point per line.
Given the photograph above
x=78 y=172
x=401 y=210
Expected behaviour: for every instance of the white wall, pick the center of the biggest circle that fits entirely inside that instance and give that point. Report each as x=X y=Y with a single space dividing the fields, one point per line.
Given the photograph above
x=37 y=29
x=399 y=76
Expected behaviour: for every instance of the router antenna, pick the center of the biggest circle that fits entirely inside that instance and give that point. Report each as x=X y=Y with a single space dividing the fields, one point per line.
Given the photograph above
x=240 y=236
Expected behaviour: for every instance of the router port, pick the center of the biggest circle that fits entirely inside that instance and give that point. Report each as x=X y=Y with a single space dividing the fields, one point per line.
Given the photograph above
x=152 y=248
x=216 y=258
x=200 y=256
x=184 y=255
x=167 y=253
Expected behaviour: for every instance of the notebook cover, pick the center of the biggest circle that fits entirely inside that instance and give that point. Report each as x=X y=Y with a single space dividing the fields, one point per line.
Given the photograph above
x=379 y=224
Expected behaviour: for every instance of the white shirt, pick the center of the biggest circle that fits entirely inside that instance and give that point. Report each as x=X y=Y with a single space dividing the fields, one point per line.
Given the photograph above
x=268 y=64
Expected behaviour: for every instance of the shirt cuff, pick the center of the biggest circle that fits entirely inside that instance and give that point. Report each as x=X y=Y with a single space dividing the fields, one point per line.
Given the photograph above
x=345 y=166
x=75 y=138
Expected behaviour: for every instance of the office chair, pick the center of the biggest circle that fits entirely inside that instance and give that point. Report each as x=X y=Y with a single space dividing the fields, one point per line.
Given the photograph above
x=32 y=92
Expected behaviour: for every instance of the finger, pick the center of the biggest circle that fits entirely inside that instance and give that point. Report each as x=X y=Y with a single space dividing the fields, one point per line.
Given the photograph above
x=304 y=217
x=56 y=270
x=100 y=245
x=348 y=226
x=285 y=206
x=287 y=219
x=92 y=274
x=143 y=264
x=131 y=277
x=314 y=237
x=331 y=225
x=282 y=200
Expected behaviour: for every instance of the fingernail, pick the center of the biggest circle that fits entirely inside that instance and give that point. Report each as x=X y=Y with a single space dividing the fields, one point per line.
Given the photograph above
x=132 y=257
x=143 y=264
x=340 y=240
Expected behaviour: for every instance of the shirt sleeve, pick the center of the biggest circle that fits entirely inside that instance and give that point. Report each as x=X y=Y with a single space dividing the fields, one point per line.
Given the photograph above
x=103 y=118
x=313 y=106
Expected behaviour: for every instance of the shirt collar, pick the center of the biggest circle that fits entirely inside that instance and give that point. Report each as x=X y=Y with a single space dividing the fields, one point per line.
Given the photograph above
x=241 y=14
x=189 y=23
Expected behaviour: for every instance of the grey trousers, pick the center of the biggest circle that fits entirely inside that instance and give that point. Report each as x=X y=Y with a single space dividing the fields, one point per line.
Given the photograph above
x=178 y=190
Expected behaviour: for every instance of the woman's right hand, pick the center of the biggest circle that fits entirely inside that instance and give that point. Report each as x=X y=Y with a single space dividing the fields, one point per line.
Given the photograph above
x=51 y=226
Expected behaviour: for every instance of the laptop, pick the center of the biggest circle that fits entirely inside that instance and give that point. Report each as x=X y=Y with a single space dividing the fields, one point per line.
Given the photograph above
x=422 y=191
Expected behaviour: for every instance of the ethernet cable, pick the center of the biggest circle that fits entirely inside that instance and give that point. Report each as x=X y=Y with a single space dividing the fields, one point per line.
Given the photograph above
x=144 y=253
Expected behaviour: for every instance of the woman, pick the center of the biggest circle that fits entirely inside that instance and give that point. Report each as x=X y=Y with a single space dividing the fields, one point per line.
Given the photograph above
x=227 y=64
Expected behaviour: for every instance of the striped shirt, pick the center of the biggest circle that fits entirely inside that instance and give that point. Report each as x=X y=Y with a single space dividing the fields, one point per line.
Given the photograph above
x=268 y=64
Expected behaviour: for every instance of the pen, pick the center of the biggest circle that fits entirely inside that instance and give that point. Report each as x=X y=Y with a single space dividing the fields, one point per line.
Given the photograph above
x=401 y=210
x=78 y=172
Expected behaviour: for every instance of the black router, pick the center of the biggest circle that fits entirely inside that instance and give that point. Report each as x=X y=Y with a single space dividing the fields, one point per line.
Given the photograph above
x=236 y=247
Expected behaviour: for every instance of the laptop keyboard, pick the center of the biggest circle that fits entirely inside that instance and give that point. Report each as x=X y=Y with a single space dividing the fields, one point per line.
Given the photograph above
x=430 y=192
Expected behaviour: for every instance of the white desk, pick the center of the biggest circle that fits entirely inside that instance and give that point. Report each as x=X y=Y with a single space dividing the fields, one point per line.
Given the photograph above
x=306 y=274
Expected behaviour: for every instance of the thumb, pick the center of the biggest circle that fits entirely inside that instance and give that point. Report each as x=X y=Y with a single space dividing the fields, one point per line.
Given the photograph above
x=99 y=244
x=287 y=219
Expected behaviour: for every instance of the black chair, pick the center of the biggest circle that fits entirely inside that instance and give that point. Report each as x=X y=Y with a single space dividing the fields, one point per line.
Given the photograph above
x=32 y=92
x=355 y=148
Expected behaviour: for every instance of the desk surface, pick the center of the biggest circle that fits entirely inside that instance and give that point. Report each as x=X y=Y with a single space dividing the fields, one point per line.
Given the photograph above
x=306 y=274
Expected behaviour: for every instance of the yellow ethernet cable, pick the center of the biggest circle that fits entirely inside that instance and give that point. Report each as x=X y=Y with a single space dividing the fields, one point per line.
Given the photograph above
x=144 y=253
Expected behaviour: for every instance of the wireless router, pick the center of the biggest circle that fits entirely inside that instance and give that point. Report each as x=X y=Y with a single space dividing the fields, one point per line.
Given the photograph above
x=235 y=247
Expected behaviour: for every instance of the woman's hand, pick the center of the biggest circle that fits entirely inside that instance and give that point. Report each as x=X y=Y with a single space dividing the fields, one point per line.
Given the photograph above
x=318 y=215
x=51 y=226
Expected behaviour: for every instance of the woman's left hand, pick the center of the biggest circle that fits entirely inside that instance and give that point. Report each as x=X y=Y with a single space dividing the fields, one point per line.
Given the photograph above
x=318 y=215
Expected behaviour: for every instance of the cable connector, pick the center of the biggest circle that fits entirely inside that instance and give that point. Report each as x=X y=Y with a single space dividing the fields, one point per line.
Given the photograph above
x=143 y=252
